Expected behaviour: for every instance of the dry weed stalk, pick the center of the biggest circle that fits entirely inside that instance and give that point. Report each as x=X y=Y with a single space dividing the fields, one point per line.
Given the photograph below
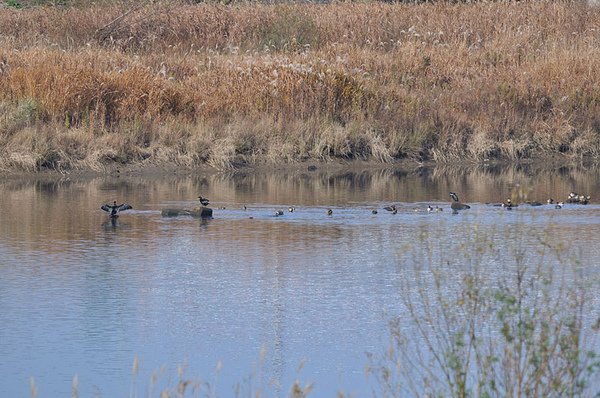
x=354 y=80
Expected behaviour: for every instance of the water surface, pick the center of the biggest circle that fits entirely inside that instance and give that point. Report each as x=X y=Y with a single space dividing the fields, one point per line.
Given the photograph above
x=245 y=298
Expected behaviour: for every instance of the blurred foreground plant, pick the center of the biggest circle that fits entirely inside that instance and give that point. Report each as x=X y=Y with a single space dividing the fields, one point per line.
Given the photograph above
x=497 y=320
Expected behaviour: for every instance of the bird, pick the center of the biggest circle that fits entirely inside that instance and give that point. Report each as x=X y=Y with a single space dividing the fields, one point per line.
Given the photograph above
x=374 y=211
x=395 y=211
x=115 y=208
x=559 y=205
x=244 y=207
x=291 y=209
x=329 y=212
x=390 y=208
x=508 y=205
x=203 y=201
x=534 y=203
x=456 y=204
x=584 y=199
x=429 y=209
x=550 y=201
x=573 y=197
x=278 y=213
x=438 y=209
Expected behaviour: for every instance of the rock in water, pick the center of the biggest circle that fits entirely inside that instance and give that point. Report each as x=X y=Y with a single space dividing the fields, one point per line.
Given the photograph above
x=200 y=212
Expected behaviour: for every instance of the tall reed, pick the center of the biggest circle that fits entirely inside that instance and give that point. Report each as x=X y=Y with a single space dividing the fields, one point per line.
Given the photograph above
x=247 y=83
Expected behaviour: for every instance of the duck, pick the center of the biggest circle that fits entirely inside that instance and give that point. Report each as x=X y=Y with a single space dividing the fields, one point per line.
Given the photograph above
x=584 y=199
x=278 y=213
x=203 y=201
x=390 y=208
x=329 y=212
x=395 y=211
x=115 y=208
x=533 y=203
x=550 y=201
x=508 y=205
x=373 y=211
x=429 y=209
x=456 y=204
x=573 y=197
x=559 y=205
x=291 y=209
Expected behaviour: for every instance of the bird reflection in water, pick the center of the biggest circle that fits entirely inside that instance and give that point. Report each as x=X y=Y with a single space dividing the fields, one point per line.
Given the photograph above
x=111 y=224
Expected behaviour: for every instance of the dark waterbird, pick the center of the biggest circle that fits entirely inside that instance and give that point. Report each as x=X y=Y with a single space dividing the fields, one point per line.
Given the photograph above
x=534 y=203
x=391 y=208
x=574 y=197
x=509 y=205
x=456 y=204
x=203 y=201
x=115 y=208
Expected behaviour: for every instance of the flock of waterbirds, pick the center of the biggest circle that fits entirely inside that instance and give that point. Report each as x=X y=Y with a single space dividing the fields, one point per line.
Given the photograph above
x=456 y=205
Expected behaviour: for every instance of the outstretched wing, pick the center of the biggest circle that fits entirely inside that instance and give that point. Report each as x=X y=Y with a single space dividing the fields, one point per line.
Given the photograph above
x=124 y=206
x=105 y=208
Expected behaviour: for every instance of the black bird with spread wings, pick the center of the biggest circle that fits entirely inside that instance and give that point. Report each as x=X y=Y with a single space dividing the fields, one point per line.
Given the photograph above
x=115 y=208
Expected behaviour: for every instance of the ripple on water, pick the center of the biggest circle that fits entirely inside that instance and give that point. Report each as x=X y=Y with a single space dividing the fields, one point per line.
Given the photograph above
x=82 y=295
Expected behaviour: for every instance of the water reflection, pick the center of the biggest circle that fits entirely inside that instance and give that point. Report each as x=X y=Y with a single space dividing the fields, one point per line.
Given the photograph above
x=82 y=294
x=54 y=209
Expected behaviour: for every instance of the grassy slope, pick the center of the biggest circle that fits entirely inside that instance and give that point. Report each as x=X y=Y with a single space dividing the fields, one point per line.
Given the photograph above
x=82 y=87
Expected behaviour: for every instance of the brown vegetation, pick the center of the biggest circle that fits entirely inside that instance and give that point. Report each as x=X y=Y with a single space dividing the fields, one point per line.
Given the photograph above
x=185 y=84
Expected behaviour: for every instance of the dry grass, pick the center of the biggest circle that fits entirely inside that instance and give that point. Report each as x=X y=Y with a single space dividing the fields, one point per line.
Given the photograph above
x=81 y=87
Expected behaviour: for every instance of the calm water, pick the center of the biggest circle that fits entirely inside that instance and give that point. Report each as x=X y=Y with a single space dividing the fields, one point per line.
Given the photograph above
x=244 y=298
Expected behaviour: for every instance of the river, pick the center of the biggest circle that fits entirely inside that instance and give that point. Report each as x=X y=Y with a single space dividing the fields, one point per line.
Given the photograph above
x=247 y=300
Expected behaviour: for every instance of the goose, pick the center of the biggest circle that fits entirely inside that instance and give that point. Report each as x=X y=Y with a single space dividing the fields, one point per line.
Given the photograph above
x=203 y=201
x=456 y=204
x=115 y=208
